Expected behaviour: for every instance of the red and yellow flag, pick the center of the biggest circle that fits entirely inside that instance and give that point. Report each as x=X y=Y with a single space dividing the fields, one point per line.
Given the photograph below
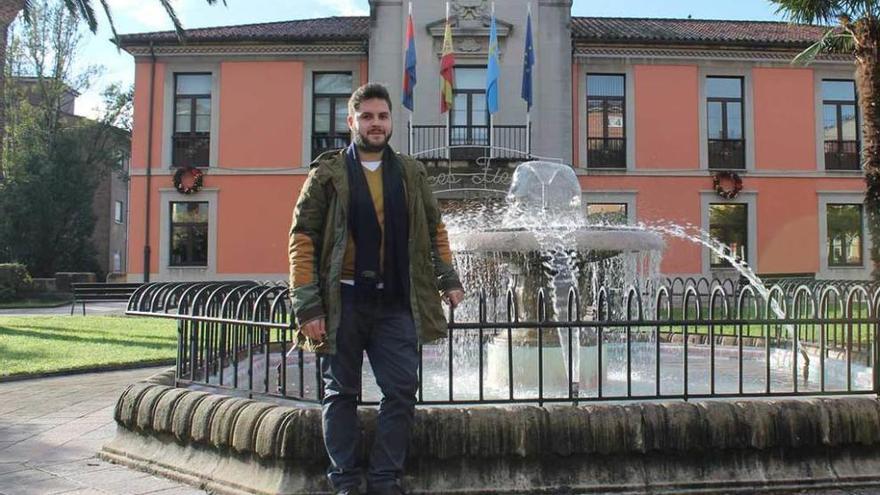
x=447 y=70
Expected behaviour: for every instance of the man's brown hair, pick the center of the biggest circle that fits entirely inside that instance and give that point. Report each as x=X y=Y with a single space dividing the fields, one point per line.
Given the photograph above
x=368 y=91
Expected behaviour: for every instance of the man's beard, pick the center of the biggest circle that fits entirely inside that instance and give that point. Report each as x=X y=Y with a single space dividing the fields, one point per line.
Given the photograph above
x=365 y=145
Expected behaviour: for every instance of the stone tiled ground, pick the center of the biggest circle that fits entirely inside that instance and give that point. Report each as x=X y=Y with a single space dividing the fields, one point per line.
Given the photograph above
x=51 y=428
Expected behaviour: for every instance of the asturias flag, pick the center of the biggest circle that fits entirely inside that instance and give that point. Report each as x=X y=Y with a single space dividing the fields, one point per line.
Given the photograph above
x=528 y=62
x=492 y=71
x=409 y=71
x=447 y=70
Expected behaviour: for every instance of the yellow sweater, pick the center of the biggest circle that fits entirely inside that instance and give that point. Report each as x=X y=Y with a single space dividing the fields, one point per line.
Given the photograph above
x=374 y=181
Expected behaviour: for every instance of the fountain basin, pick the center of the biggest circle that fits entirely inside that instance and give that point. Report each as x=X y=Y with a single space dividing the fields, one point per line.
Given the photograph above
x=582 y=240
x=233 y=445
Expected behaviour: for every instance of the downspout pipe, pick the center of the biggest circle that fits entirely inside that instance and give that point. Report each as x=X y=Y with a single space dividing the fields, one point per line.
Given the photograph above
x=149 y=180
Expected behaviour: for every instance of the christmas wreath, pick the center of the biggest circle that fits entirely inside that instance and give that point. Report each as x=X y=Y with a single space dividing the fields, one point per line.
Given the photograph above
x=188 y=180
x=727 y=184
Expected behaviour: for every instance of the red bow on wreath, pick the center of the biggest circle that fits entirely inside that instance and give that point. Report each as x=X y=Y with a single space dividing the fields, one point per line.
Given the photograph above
x=727 y=184
x=188 y=180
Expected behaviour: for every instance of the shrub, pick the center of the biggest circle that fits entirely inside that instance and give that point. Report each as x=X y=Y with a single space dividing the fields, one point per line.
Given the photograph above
x=14 y=280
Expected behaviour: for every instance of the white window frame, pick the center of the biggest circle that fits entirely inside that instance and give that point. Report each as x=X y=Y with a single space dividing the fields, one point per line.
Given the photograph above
x=748 y=198
x=820 y=75
x=181 y=273
x=309 y=69
x=618 y=197
x=843 y=272
x=119 y=211
x=175 y=67
x=709 y=70
x=629 y=124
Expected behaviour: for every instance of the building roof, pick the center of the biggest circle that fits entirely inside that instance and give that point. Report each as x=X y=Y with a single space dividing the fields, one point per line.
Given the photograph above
x=588 y=29
x=694 y=31
x=321 y=29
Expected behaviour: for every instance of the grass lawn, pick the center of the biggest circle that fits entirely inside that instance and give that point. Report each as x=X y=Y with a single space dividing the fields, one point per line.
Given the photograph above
x=42 y=344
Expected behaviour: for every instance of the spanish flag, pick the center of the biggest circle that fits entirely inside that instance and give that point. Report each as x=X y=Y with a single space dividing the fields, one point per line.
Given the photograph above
x=447 y=70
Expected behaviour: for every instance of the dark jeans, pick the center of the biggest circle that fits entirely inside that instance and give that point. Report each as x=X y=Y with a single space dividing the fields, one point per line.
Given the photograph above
x=387 y=333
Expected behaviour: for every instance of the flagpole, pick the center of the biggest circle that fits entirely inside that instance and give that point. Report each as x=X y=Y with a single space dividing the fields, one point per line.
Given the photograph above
x=529 y=106
x=492 y=115
x=449 y=110
x=410 y=118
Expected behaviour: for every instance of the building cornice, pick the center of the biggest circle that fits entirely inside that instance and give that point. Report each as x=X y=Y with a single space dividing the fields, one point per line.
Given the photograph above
x=659 y=53
x=302 y=49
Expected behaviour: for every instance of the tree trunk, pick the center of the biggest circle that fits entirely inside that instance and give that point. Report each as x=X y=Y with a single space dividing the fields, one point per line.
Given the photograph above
x=867 y=33
x=9 y=10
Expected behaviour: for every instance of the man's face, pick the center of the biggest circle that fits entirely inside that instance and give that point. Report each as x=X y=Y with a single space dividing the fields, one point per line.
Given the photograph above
x=371 y=125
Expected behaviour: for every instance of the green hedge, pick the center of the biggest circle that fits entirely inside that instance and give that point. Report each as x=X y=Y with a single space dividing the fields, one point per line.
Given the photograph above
x=14 y=280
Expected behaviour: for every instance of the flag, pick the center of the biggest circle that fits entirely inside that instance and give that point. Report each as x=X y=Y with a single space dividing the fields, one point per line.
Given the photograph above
x=409 y=71
x=528 y=62
x=492 y=71
x=447 y=70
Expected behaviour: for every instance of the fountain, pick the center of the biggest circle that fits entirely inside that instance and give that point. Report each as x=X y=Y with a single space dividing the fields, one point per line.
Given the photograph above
x=541 y=244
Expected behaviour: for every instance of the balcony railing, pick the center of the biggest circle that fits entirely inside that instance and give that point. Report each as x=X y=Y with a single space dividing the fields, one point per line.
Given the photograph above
x=606 y=152
x=327 y=142
x=842 y=155
x=191 y=150
x=728 y=154
x=430 y=142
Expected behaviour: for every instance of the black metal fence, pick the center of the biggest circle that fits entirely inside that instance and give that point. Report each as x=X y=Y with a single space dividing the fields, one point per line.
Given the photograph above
x=679 y=339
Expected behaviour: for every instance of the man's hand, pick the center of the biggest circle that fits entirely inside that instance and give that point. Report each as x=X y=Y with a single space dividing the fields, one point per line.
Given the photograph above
x=453 y=297
x=314 y=329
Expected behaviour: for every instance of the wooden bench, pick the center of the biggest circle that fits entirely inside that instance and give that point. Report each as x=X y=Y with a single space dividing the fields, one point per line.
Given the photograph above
x=100 y=292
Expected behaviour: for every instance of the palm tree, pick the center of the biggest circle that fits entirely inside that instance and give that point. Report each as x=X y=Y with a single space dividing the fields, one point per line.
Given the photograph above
x=83 y=9
x=854 y=27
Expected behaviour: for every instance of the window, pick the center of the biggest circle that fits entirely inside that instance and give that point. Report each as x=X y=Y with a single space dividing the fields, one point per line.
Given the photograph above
x=607 y=213
x=192 y=120
x=728 y=223
x=330 y=94
x=606 y=135
x=189 y=234
x=724 y=113
x=844 y=234
x=840 y=125
x=469 y=121
x=119 y=212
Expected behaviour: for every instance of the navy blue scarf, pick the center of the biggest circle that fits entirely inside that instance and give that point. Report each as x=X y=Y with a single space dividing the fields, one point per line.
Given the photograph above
x=367 y=234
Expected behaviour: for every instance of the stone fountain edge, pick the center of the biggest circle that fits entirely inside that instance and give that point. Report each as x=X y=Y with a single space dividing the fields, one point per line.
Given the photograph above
x=233 y=445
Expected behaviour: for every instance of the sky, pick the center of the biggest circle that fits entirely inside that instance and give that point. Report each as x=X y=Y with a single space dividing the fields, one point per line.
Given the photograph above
x=136 y=16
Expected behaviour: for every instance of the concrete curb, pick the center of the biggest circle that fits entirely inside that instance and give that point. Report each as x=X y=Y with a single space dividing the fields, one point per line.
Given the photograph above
x=94 y=369
x=233 y=445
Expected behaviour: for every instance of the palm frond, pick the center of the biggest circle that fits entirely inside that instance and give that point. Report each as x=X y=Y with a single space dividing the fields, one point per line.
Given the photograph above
x=169 y=9
x=27 y=9
x=834 y=40
x=810 y=11
x=109 y=15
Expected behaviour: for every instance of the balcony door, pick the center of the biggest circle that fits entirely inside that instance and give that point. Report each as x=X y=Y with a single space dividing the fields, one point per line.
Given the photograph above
x=469 y=118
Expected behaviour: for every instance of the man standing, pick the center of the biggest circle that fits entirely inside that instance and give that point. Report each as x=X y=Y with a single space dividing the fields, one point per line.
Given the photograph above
x=369 y=263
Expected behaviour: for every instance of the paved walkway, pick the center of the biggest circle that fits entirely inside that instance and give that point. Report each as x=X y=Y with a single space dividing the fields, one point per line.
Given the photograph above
x=51 y=428
x=93 y=309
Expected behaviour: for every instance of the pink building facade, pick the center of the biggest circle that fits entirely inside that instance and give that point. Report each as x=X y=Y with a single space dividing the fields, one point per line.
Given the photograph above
x=648 y=112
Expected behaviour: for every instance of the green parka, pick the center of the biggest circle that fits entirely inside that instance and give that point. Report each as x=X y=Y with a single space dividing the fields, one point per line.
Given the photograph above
x=318 y=238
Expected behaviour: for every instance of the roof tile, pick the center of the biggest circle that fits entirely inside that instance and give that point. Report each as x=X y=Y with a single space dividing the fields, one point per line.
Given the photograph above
x=693 y=31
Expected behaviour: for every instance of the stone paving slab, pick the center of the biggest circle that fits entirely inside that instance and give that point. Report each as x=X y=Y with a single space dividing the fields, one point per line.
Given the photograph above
x=52 y=428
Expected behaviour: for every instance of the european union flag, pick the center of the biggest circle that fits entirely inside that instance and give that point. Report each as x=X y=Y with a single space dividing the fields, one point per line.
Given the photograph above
x=528 y=62
x=493 y=70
